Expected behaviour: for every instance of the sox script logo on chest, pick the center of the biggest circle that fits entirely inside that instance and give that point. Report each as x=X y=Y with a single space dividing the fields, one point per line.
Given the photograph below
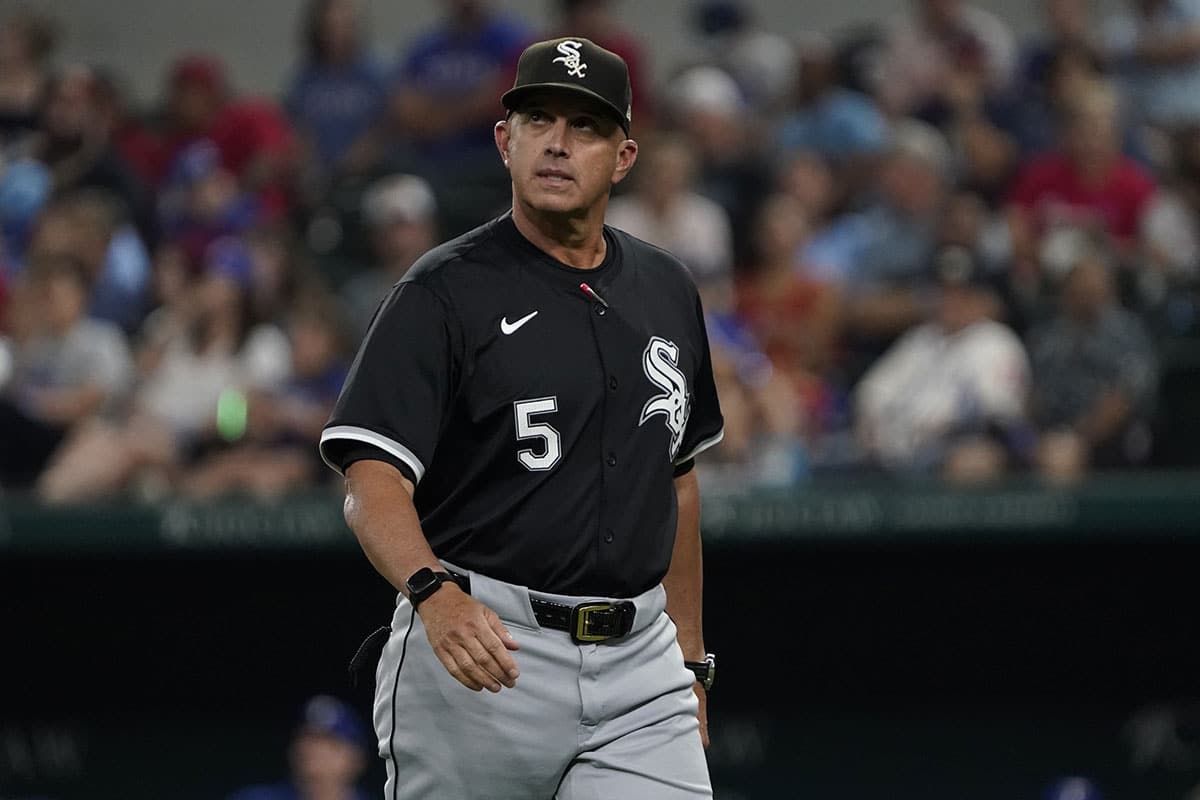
x=660 y=362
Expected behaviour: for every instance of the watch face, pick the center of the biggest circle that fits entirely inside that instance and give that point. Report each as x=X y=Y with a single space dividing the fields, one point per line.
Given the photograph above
x=422 y=581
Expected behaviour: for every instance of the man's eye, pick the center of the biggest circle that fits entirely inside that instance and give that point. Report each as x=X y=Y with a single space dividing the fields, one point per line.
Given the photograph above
x=536 y=116
x=586 y=123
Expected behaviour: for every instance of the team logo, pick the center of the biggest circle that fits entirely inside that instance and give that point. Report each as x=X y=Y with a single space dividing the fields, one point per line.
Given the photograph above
x=570 y=58
x=660 y=362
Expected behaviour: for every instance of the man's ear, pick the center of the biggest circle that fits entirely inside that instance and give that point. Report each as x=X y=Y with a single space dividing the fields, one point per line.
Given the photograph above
x=503 y=135
x=626 y=156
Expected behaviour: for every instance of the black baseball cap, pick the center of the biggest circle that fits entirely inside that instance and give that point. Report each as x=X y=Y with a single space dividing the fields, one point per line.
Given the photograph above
x=577 y=65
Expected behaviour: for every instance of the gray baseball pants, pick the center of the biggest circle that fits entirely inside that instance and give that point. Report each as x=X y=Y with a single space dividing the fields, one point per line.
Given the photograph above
x=615 y=719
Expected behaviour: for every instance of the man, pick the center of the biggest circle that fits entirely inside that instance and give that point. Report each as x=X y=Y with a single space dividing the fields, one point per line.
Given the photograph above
x=445 y=99
x=66 y=368
x=949 y=396
x=518 y=434
x=1095 y=377
x=401 y=212
x=327 y=756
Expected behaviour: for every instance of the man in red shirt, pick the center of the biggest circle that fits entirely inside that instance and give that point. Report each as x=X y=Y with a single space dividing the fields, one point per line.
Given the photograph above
x=252 y=135
x=1086 y=183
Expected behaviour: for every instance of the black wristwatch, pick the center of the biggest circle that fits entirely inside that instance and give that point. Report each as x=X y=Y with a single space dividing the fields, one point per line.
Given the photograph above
x=706 y=670
x=423 y=583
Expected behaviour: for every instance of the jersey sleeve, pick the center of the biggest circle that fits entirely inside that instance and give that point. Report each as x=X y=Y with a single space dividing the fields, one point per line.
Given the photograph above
x=705 y=425
x=399 y=388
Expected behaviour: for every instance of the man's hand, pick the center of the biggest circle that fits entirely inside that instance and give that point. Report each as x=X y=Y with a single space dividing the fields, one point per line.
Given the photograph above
x=702 y=714
x=469 y=639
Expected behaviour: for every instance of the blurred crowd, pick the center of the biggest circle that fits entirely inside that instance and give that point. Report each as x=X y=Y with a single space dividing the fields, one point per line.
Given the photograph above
x=926 y=248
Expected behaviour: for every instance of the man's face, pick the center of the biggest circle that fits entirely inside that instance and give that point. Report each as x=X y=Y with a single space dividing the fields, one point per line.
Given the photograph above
x=563 y=153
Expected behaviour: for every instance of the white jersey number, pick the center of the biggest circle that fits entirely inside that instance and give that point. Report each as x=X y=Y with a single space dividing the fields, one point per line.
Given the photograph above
x=526 y=429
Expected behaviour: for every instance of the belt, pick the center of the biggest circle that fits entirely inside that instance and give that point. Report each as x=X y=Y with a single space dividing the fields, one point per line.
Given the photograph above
x=587 y=622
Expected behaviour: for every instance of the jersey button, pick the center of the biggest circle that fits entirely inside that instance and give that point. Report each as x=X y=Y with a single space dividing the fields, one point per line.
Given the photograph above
x=612 y=383
x=608 y=536
x=600 y=310
x=611 y=460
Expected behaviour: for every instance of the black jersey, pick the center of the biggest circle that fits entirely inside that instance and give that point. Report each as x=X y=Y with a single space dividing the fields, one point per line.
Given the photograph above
x=542 y=423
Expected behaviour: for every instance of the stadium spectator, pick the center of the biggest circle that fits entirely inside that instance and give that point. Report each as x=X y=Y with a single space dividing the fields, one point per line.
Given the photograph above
x=274 y=433
x=327 y=756
x=885 y=249
x=1065 y=26
x=1033 y=114
x=841 y=125
x=1171 y=225
x=709 y=110
x=203 y=201
x=140 y=148
x=795 y=319
x=401 y=213
x=450 y=78
x=1154 y=46
x=251 y=134
x=1094 y=377
x=1086 y=183
x=90 y=227
x=666 y=211
x=25 y=188
x=27 y=40
x=66 y=369
x=949 y=397
x=339 y=94
x=942 y=46
x=173 y=415
x=75 y=145
x=761 y=61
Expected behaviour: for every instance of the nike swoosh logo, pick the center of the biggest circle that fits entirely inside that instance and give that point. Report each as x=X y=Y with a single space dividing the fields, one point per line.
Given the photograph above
x=509 y=328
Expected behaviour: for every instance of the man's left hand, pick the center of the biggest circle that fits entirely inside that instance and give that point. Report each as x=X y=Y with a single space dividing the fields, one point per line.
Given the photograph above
x=702 y=714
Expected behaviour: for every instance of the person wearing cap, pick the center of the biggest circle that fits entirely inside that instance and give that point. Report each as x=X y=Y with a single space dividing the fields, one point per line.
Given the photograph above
x=400 y=211
x=949 y=397
x=518 y=435
x=252 y=135
x=327 y=756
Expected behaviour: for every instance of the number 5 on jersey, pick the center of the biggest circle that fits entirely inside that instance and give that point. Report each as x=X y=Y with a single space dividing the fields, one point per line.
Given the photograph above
x=551 y=448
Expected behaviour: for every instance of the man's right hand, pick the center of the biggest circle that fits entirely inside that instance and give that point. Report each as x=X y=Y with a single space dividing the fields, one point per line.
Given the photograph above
x=469 y=639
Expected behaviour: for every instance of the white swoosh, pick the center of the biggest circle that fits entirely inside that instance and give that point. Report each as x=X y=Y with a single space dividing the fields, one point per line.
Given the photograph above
x=509 y=328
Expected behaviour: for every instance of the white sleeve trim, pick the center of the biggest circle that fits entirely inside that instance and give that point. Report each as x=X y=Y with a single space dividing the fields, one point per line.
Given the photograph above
x=707 y=443
x=356 y=434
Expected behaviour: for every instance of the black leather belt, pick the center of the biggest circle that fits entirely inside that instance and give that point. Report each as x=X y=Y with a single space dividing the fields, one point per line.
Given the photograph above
x=587 y=622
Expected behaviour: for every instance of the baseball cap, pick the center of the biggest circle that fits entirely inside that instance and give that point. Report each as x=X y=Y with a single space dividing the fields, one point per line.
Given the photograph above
x=576 y=65
x=398 y=198
x=198 y=69
x=229 y=258
x=327 y=715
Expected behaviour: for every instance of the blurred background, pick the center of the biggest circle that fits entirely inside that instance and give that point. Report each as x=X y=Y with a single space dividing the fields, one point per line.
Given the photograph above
x=950 y=253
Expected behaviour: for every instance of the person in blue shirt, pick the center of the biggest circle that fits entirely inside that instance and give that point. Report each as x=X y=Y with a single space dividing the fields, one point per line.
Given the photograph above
x=837 y=123
x=339 y=94
x=450 y=79
x=327 y=754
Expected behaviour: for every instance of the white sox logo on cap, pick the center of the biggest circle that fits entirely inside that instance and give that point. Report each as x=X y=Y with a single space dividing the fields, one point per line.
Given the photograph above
x=570 y=58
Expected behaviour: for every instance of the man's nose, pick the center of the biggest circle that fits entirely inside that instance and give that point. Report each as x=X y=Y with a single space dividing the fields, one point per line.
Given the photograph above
x=556 y=139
